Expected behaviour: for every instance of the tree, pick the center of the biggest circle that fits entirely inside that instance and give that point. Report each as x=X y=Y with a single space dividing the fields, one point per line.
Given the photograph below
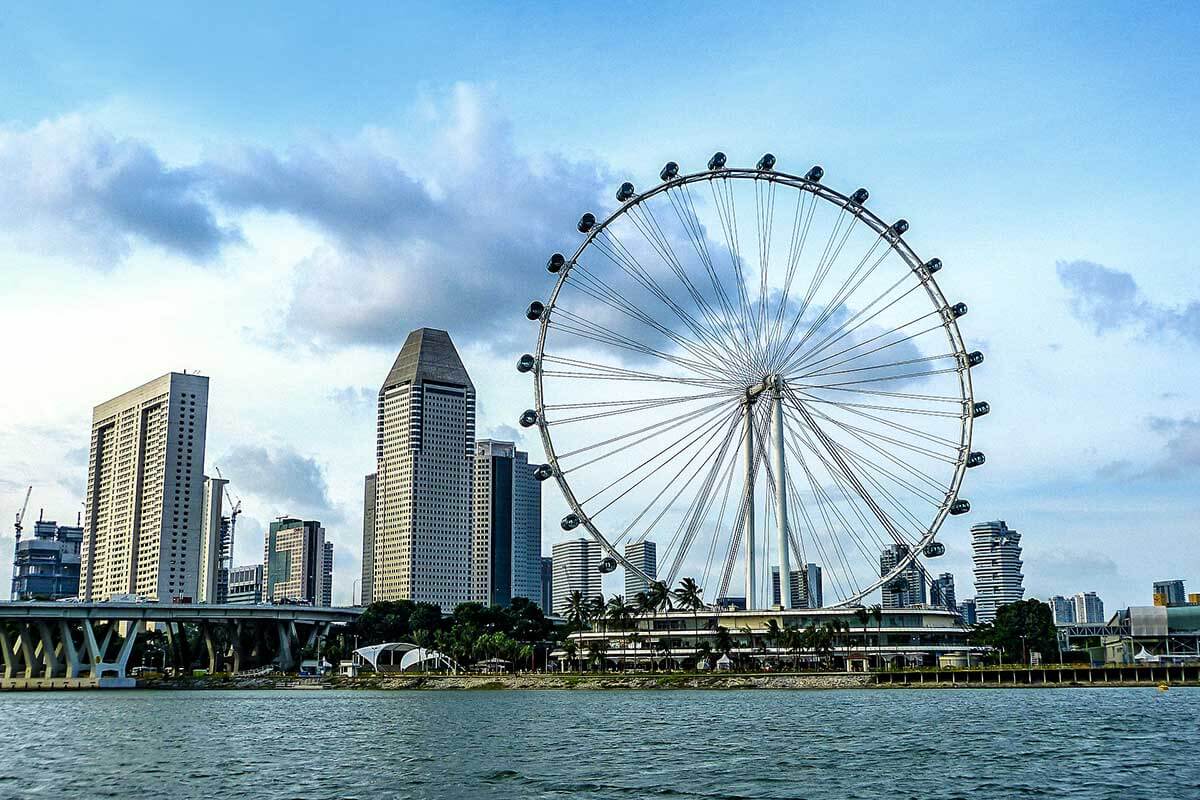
x=691 y=596
x=577 y=609
x=877 y=613
x=724 y=640
x=660 y=600
x=1020 y=628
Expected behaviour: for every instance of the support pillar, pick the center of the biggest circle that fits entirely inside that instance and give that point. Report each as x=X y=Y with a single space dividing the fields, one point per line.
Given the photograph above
x=238 y=651
x=781 y=515
x=127 y=647
x=285 y=659
x=210 y=645
x=748 y=459
x=8 y=652
x=53 y=667
x=33 y=668
x=71 y=655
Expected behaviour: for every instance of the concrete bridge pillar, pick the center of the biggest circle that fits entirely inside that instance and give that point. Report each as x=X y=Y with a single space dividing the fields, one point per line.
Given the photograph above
x=33 y=666
x=8 y=645
x=53 y=667
x=71 y=654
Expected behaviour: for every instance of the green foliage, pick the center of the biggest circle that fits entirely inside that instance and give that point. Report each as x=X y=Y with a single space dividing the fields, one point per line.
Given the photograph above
x=1020 y=628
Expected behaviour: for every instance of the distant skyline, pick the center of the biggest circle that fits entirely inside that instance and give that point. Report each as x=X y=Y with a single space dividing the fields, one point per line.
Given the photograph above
x=275 y=199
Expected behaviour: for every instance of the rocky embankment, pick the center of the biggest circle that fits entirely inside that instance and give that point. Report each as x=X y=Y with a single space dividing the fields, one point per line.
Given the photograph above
x=600 y=681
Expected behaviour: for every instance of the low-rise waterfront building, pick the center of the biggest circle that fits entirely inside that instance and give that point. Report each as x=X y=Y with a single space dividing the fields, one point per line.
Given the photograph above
x=1153 y=635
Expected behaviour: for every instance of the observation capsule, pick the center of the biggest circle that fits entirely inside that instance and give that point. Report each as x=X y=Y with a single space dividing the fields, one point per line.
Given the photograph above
x=975 y=458
x=815 y=174
x=534 y=312
x=717 y=161
x=934 y=549
x=608 y=564
x=526 y=363
x=959 y=507
x=543 y=472
x=933 y=265
x=570 y=522
x=555 y=263
x=625 y=192
x=974 y=358
x=767 y=162
x=900 y=227
x=587 y=222
x=980 y=409
x=958 y=309
x=529 y=418
x=860 y=197
x=670 y=171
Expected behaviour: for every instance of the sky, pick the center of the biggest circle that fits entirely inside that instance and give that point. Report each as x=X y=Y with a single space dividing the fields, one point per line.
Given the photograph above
x=275 y=196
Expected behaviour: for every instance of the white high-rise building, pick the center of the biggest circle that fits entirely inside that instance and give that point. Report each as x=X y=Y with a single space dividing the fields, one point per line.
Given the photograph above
x=1089 y=608
x=506 y=551
x=576 y=567
x=216 y=544
x=425 y=444
x=644 y=555
x=143 y=514
x=996 y=553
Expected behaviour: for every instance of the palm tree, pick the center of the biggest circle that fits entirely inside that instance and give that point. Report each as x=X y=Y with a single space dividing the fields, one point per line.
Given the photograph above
x=724 y=640
x=877 y=612
x=577 y=608
x=620 y=613
x=773 y=632
x=571 y=649
x=660 y=599
x=690 y=595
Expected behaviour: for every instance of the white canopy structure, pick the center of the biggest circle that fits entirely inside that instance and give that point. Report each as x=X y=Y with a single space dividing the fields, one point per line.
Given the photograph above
x=382 y=657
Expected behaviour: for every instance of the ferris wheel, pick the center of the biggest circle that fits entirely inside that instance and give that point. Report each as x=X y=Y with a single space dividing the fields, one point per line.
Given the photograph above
x=754 y=372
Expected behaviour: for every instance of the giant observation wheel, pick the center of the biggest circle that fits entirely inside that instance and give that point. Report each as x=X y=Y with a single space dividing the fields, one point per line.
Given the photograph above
x=755 y=372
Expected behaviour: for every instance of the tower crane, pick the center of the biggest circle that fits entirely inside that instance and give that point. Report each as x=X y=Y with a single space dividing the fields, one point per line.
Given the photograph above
x=21 y=513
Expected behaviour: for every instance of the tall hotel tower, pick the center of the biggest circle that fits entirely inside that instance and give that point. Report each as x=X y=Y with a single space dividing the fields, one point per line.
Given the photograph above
x=996 y=551
x=506 y=553
x=425 y=442
x=143 y=515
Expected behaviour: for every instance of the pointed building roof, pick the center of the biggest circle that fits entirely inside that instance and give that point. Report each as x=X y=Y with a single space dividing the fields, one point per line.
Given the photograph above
x=428 y=355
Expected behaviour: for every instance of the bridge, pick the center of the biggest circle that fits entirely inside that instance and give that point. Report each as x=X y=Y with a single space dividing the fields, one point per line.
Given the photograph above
x=63 y=644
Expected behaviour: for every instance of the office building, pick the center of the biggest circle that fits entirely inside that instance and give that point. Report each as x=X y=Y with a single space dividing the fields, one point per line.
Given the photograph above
x=996 y=554
x=46 y=566
x=296 y=563
x=644 y=556
x=1169 y=593
x=143 y=517
x=1089 y=609
x=966 y=610
x=941 y=591
x=576 y=568
x=731 y=603
x=246 y=584
x=547 y=596
x=797 y=588
x=506 y=547
x=813 y=590
x=368 y=543
x=425 y=444
x=216 y=544
x=1062 y=609
x=906 y=588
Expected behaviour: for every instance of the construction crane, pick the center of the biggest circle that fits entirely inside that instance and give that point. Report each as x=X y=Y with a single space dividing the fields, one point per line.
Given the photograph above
x=21 y=513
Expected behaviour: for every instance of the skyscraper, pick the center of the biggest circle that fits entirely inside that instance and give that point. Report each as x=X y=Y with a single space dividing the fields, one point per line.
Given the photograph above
x=368 y=542
x=576 y=569
x=296 y=562
x=326 y=598
x=1169 y=593
x=907 y=588
x=506 y=550
x=1089 y=608
x=812 y=586
x=797 y=587
x=547 y=597
x=246 y=584
x=142 y=517
x=425 y=443
x=941 y=591
x=216 y=544
x=1062 y=609
x=966 y=610
x=996 y=553
x=643 y=555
